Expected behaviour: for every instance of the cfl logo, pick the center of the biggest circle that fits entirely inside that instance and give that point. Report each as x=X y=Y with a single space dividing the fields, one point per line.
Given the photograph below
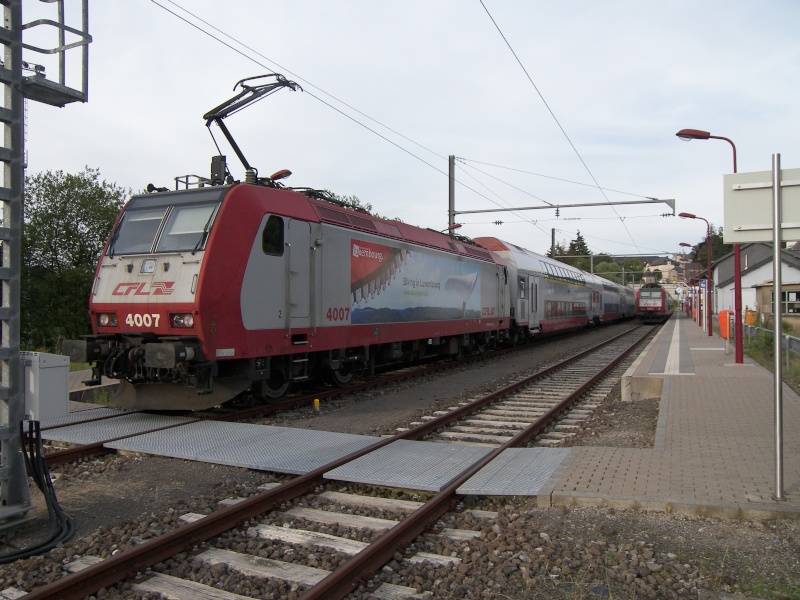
x=157 y=288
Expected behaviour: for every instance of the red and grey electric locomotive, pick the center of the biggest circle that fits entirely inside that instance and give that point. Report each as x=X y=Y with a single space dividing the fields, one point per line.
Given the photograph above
x=653 y=304
x=204 y=294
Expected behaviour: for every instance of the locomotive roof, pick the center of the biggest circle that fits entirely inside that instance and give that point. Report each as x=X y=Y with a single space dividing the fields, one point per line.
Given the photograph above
x=327 y=212
x=352 y=219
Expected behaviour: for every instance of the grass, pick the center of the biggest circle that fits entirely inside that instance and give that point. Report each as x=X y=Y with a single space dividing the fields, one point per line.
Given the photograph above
x=99 y=396
x=780 y=591
x=761 y=349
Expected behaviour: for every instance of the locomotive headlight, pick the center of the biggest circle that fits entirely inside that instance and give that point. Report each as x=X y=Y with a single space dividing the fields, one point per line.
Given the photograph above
x=184 y=321
x=107 y=320
x=148 y=266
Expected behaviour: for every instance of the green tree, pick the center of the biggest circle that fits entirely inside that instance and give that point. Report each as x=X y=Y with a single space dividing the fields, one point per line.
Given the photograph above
x=577 y=254
x=609 y=270
x=67 y=218
x=633 y=268
x=355 y=203
x=559 y=252
x=578 y=247
x=718 y=248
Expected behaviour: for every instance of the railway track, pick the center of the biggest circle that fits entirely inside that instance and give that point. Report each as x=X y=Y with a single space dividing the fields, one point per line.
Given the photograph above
x=358 y=561
x=497 y=423
x=244 y=411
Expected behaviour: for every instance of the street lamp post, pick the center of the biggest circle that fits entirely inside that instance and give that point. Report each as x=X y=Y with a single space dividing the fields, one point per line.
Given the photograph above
x=696 y=134
x=685 y=215
x=686 y=303
x=688 y=278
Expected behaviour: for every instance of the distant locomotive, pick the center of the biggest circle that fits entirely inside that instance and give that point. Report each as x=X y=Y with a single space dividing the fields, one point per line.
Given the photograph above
x=653 y=304
x=204 y=294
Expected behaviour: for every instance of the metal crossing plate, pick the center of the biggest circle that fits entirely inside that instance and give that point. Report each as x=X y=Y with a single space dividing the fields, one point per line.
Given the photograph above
x=261 y=447
x=82 y=415
x=104 y=429
x=411 y=465
x=516 y=472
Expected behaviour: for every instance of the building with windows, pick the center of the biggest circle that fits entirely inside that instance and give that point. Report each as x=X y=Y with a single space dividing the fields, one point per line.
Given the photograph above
x=668 y=268
x=757 y=279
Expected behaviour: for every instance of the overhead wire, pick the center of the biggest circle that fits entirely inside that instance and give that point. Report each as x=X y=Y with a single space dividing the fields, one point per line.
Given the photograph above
x=366 y=116
x=591 y=185
x=552 y=114
x=508 y=184
x=310 y=84
x=598 y=251
x=545 y=220
x=533 y=222
x=287 y=70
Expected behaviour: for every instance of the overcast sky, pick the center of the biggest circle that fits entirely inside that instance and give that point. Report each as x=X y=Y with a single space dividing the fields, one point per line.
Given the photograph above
x=578 y=94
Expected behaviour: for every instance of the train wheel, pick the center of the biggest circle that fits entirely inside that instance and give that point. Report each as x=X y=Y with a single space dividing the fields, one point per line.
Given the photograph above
x=274 y=388
x=342 y=376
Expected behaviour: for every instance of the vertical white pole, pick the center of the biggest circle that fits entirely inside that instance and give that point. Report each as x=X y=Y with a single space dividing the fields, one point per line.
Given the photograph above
x=778 y=335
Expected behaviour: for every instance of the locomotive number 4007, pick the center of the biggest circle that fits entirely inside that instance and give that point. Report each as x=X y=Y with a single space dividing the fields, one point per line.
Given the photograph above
x=138 y=320
x=338 y=314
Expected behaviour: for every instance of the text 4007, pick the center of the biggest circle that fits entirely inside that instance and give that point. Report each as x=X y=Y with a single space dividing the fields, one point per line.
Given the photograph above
x=145 y=320
x=338 y=314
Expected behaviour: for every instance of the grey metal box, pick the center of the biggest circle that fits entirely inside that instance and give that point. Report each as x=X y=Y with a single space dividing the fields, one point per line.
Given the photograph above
x=46 y=386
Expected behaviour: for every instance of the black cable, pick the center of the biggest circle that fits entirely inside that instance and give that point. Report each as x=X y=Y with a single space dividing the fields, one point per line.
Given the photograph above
x=61 y=527
x=552 y=114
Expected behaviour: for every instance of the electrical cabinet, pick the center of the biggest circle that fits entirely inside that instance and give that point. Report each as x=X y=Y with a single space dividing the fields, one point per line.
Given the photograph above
x=46 y=387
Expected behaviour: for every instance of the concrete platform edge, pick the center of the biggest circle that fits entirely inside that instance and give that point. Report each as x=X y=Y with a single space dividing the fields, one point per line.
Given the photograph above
x=734 y=511
x=634 y=387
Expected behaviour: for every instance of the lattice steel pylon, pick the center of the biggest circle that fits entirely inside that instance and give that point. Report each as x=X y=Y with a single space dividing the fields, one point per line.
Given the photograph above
x=14 y=496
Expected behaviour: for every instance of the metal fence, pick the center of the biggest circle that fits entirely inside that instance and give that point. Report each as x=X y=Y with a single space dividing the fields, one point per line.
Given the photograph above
x=789 y=343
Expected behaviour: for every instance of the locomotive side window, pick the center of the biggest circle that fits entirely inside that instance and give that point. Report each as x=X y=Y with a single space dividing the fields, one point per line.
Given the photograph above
x=187 y=228
x=272 y=238
x=137 y=231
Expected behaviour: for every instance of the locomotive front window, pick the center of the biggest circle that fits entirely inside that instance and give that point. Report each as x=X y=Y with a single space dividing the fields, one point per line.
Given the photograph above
x=186 y=228
x=137 y=231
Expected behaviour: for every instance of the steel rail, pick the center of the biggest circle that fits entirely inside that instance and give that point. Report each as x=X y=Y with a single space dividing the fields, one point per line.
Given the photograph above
x=459 y=413
x=86 y=582
x=60 y=457
x=68 y=455
x=110 y=571
x=348 y=576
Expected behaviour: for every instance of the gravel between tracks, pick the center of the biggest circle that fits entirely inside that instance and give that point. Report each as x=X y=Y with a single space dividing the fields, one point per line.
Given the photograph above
x=527 y=553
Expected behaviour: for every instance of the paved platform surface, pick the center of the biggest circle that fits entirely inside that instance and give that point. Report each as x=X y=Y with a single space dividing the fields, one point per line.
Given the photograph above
x=715 y=451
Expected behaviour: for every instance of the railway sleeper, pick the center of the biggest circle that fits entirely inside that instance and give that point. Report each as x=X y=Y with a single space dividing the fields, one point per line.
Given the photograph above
x=173 y=587
x=290 y=572
x=339 y=544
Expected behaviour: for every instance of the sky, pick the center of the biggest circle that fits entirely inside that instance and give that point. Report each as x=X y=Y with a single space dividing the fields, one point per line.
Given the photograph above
x=543 y=103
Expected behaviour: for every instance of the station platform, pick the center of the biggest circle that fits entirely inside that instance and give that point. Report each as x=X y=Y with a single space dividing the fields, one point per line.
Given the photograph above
x=715 y=450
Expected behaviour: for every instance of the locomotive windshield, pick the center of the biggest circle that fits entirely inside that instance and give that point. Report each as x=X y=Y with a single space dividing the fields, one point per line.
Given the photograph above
x=165 y=223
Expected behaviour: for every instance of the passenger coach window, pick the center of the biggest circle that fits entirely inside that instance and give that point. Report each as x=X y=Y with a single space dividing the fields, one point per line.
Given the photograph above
x=272 y=239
